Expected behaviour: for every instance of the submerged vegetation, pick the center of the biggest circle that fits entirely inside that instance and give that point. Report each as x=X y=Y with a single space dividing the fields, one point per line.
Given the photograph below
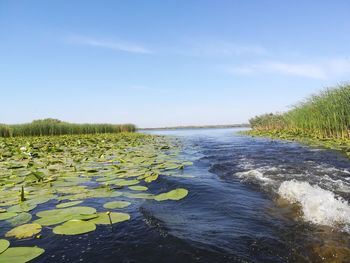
x=322 y=119
x=46 y=182
x=57 y=127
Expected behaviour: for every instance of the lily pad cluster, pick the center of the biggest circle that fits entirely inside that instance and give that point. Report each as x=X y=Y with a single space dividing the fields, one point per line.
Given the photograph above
x=63 y=171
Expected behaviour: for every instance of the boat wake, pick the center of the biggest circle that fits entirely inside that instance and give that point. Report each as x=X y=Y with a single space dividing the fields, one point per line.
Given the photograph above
x=319 y=206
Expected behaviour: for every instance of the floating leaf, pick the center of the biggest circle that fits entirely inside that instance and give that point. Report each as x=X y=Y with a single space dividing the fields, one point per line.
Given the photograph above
x=138 y=188
x=20 y=219
x=75 y=227
x=20 y=254
x=68 y=204
x=24 y=231
x=151 y=178
x=124 y=182
x=140 y=196
x=103 y=218
x=4 y=244
x=76 y=210
x=40 y=200
x=7 y=215
x=176 y=194
x=22 y=207
x=116 y=204
x=53 y=220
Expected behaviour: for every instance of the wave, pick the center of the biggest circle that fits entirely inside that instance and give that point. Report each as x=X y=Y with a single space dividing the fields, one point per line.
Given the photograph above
x=253 y=174
x=319 y=206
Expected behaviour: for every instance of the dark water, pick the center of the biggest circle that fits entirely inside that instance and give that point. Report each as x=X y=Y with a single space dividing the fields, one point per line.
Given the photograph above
x=234 y=211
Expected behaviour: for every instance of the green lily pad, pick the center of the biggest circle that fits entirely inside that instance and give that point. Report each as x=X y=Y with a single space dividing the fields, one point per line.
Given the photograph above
x=4 y=244
x=20 y=254
x=20 y=219
x=139 y=196
x=68 y=204
x=151 y=178
x=138 y=188
x=22 y=207
x=124 y=182
x=7 y=215
x=40 y=200
x=76 y=210
x=103 y=218
x=2 y=210
x=53 y=220
x=24 y=231
x=176 y=194
x=116 y=204
x=75 y=227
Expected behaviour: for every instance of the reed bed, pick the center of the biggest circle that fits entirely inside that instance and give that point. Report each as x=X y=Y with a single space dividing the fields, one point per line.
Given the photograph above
x=325 y=115
x=57 y=127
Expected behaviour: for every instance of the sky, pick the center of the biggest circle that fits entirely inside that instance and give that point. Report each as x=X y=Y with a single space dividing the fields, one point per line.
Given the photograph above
x=167 y=63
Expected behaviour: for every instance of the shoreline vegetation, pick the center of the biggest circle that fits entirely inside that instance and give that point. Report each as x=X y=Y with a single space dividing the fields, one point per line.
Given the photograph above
x=51 y=127
x=320 y=120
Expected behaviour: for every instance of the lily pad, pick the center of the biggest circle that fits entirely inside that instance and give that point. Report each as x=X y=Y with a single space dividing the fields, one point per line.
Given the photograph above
x=22 y=207
x=20 y=219
x=40 y=200
x=53 y=220
x=103 y=218
x=176 y=194
x=20 y=254
x=68 y=204
x=139 y=195
x=116 y=204
x=7 y=215
x=76 y=210
x=4 y=244
x=124 y=182
x=24 y=231
x=74 y=227
x=138 y=188
x=151 y=178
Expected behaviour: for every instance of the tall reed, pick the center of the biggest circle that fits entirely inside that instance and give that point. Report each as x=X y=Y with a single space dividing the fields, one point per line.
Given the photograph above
x=325 y=115
x=57 y=127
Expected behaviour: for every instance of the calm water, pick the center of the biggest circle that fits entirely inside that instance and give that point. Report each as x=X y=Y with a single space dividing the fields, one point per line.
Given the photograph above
x=234 y=211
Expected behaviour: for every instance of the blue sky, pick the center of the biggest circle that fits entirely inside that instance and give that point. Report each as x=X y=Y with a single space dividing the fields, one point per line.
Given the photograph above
x=164 y=63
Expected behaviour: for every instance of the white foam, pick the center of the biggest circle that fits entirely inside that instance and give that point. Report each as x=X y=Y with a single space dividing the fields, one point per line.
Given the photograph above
x=319 y=206
x=253 y=174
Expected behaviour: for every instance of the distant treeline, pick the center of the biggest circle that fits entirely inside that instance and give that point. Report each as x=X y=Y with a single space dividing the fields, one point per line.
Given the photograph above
x=325 y=115
x=57 y=127
x=200 y=127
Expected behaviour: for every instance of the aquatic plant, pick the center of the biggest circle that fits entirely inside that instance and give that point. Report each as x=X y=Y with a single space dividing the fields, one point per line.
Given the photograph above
x=62 y=172
x=4 y=244
x=57 y=127
x=24 y=231
x=20 y=254
x=325 y=115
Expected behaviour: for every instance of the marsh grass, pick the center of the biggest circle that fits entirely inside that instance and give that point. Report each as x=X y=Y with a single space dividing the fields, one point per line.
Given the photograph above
x=325 y=115
x=57 y=127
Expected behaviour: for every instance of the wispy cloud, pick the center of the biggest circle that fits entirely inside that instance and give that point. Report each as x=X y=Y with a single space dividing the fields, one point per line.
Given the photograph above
x=325 y=69
x=117 y=45
x=218 y=47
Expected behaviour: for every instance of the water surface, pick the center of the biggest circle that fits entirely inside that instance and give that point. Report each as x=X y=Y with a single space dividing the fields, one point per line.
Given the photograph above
x=239 y=208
